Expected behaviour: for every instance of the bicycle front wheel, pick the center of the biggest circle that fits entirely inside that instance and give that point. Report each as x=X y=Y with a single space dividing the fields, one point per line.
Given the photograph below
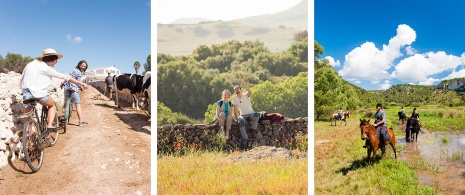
x=68 y=109
x=54 y=134
x=34 y=155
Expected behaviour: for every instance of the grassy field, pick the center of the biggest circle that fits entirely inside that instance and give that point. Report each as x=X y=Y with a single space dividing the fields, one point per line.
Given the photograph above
x=209 y=173
x=340 y=160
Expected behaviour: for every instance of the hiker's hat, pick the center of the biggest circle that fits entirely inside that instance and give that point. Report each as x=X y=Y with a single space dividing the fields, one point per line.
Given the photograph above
x=49 y=52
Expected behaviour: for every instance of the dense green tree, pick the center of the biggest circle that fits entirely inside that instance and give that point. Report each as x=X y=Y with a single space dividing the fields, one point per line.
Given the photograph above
x=202 y=53
x=300 y=49
x=180 y=87
x=166 y=116
x=148 y=64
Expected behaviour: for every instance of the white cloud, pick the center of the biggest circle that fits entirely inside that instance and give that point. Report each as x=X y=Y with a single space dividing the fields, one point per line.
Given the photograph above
x=419 y=67
x=370 y=63
x=410 y=50
x=75 y=39
x=332 y=62
x=460 y=73
x=385 y=85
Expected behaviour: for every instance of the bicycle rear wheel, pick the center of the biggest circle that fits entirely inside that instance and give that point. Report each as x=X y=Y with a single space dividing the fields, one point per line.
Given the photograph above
x=34 y=155
x=54 y=134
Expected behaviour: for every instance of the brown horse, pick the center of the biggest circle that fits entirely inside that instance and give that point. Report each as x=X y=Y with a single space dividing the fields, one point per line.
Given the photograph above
x=373 y=143
x=335 y=117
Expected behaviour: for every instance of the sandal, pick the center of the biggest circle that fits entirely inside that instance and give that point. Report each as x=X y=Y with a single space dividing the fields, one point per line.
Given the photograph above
x=82 y=123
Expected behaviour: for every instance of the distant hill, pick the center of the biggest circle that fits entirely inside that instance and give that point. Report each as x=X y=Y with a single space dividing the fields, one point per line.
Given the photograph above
x=182 y=39
x=190 y=20
x=276 y=31
x=295 y=17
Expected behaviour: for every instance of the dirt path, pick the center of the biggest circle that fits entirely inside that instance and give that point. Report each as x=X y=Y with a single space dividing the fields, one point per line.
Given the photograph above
x=111 y=155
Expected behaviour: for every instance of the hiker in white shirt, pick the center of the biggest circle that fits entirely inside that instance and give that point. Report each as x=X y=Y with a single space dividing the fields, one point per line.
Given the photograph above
x=36 y=79
x=243 y=103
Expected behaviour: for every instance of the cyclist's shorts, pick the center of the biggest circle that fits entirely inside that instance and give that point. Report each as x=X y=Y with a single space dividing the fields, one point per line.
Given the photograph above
x=75 y=96
x=28 y=95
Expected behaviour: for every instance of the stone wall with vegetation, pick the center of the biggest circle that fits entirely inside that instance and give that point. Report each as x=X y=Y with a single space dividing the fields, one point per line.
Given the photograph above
x=289 y=133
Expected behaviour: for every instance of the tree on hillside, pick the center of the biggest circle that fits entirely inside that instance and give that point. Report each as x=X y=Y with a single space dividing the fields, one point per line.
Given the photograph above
x=148 y=64
x=137 y=66
x=300 y=36
x=300 y=49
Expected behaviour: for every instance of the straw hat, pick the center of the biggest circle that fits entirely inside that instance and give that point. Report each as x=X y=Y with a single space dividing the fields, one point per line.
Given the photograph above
x=49 y=52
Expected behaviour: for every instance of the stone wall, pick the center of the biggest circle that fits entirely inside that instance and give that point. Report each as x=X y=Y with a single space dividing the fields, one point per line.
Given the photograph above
x=267 y=134
x=11 y=108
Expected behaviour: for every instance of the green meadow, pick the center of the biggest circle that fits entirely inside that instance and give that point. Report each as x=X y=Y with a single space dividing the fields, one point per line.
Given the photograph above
x=340 y=160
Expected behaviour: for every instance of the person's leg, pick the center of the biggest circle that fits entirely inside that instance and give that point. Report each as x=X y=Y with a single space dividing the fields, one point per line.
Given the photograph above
x=77 y=103
x=221 y=120
x=245 y=138
x=255 y=116
x=109 y=92
x=50 y=103
x=229 y=121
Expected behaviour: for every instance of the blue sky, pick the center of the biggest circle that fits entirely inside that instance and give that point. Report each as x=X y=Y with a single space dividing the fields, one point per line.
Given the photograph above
x=377 y=44
x=104 y=33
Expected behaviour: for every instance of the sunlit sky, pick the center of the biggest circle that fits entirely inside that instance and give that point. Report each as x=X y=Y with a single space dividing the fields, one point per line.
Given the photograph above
x=377 y=44
x=171 y=10
x=104 y=33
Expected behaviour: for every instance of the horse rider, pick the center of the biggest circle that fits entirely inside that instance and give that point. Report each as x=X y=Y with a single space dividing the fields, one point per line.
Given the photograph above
x=340 y=114
x=380 y=123
x=416 y=116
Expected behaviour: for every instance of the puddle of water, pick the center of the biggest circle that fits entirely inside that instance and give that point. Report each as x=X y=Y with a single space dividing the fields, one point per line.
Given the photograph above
x=444 y=151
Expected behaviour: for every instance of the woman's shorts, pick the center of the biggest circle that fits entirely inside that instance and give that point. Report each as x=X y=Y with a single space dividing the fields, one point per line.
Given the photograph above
x=28 y=95
x=75 y=96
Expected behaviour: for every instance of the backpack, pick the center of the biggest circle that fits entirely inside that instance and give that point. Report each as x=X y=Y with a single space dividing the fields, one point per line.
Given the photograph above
x=221 y=103
x=275 y=117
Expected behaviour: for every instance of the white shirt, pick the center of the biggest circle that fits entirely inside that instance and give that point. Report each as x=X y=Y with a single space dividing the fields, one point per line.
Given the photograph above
x=37 y=76
x=244 y=104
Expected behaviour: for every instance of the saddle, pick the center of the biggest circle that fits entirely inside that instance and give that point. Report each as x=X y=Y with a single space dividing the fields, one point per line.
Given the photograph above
x=386 y=136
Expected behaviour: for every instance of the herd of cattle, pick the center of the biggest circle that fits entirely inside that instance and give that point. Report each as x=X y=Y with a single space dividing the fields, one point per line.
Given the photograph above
x=134 y=85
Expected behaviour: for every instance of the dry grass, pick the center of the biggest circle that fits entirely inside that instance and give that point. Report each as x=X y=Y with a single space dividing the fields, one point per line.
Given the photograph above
x=209 y=173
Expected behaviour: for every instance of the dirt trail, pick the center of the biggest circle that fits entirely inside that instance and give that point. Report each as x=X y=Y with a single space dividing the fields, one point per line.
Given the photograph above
x=111 y=155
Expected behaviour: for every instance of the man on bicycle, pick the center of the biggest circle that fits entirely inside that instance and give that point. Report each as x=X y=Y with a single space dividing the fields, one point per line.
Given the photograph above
x=36 y=79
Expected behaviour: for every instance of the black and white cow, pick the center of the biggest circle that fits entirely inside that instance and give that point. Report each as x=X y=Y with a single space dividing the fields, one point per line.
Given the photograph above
x=128 y=84
x=146 y=87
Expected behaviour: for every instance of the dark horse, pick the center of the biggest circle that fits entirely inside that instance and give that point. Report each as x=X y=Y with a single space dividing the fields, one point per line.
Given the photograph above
x=412 y=129
x=369 y=134
x=335 y=117
x=402 y=116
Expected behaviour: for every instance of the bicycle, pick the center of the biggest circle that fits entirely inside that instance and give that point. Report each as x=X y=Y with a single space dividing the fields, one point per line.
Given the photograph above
x=36 y=135
x=68 y=106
